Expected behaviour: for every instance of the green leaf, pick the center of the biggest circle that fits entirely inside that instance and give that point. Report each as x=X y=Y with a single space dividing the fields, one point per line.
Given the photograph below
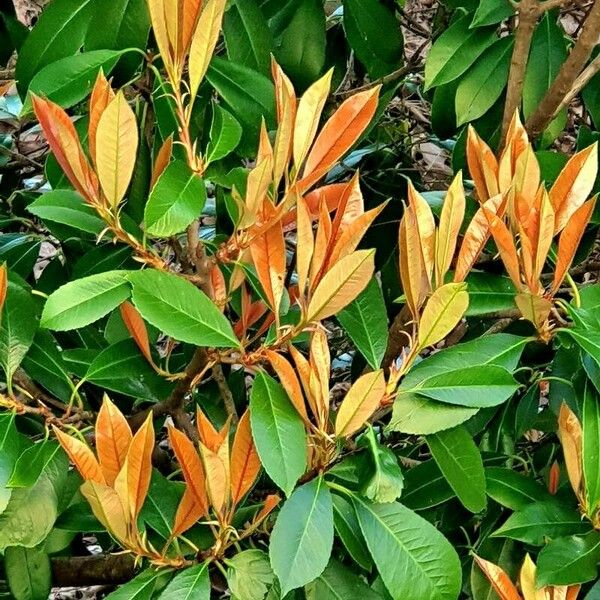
x=302 y=537
x=249 y=95
x=513 y=490
x=67 y=207
x=479 y=89
x=28 y=572
x=456 y=50
x=479 y=386
x=337 y=582
x=278 y=432
x=302 y=56
x=460 y=461
x=141 y=587
x=489 y=294
x=161 y=504
x=505 y=554
x=176 y=199
x=122 y=368
x=59 y=32
x=20 y=252
x=569 y=560
x=180 y=310
x=539 y=520
x=490 y=12
x=32 y=463
x=425 y=486
x=225 y=134
x=591 y=99
x=192 y=583
x=78 y=517
x=247 y=36
x=374 y=34
x=413 y=558
x=417 y=414
x=69 y=80
x=348 y=530
x=18 y=325
x=365 y=321
x=249 y=575
x=386 y=482
x=590 y=455
x=83 y=301
x=10 y=446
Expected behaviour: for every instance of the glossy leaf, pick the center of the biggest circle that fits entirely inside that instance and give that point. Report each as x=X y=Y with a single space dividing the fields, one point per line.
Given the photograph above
x=28 y=572
x=193 y=582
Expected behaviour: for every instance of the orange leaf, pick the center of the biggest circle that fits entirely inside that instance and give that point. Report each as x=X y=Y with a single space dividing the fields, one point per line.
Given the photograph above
x=500 y=581
x=554 y=478
x=574 y=184
x=483 y=166
x=271 y=502
x=308 y=115
x=65 y=145
x=113 y=437
x=102 y=94
x=245 y=464
x=133 y=480
x=341 y=284
x=257 y=186
x=339 y=134
x=216 y=468
x=137 y=328
x=269 y=258
x=571 y=436
x=189 y=13
x=415 y=282
x=516 y=143
x=305 y=243
x=81 y=456
x=303 y=369
x=163 y=157
x=323 y=241
x=116 y=148
x=425 y=228
x=209 y=435
x=190 y=464
x=569 y=241
x=572 y=592
x=320 y=372
x=526 y=178
x=506 y=247
x=361 y=401
x=286 y=103
x=453 y=212
x=545 y=234
x=188 y=513
x=3 y=285
x=475 y=238
x=289 y=380
x=108 y=509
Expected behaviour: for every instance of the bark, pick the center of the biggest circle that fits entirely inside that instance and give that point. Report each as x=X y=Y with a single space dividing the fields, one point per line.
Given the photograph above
x=103 y=569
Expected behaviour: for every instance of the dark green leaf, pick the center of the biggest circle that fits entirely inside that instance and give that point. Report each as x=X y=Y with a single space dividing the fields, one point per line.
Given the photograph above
x=490 y=12
x=425 y=486
x=489 y=294
x=337 y=582
x=348 y=530
x=10 y=446
x=141 y=587
x=225 y=135
x=590 y=455
x=513 y=490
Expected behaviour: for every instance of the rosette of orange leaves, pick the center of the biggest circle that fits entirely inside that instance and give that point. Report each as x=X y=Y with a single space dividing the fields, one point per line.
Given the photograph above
x=507 y=590
x=306 y=382
x=532 y=216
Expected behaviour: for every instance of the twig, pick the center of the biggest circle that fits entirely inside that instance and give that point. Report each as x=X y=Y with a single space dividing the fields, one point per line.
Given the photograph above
x=582 y=80
x=225 y=391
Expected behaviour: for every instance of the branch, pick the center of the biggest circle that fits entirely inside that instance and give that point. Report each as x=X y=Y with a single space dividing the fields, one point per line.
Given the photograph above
x=592 y=69
x=567 y=75
x=103 y=569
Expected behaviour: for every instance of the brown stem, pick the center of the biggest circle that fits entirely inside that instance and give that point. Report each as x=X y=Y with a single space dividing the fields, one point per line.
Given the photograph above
x=397 y=339
x=104 y=569
x=567 y=75
x=225 y=391
x=592 y=69
x=528 y=15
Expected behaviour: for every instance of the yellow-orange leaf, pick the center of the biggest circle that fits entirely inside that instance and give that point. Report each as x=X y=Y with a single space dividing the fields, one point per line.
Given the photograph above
x=341 y=284
x=245 y=464
x=451 y=219
x=425 y=228
x=116 y=147
x=569 y=241
x=216 y=468
x=107 y=508
x=163 y=157
x=81 y=456
x=304 y=244
x=323 y=241
x=3 y=285
x=320 y=371
x=113 y=437
x=189 y=13
x=506 y=247
x=289 y=380
x=442 y=313
x=308 y=115
x=339 y=134
x=572 y=592
x=303 y=369
x=483 y=166
x=500 y=581
x=286 y=103
x=209 y=435
x=571 y=436
x=257 y=185
x=574 y=184
x=527 y=581
x=545 y=234
x=101 y=96
x=133 y=480
x=361 y=401
x=137 y=328
x=159 y=28
x=516 y=143
x=190 y=464
x=475 y=238
x=188 y=513
x=527 y=173
x=534 y=308
x=64 y=143
x=204 y=41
